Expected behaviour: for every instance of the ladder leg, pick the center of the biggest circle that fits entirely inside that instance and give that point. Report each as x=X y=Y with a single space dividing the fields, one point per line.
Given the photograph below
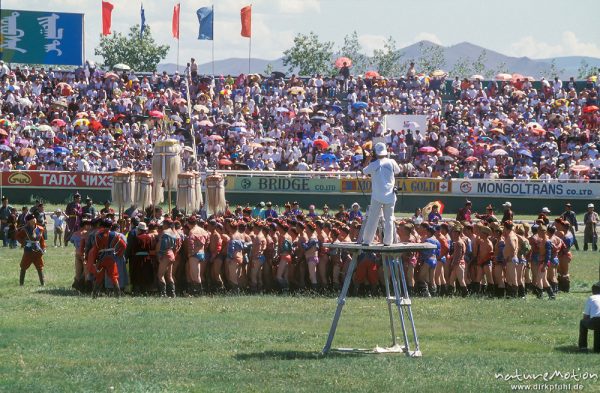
x=394 y=274
x=388 y=298
x=341 y=302
x=409 y=310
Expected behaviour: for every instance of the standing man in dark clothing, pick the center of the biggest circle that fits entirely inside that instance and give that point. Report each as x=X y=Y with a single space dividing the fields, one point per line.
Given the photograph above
x=345 y=74
x=569 y=215
x=73 y=212
x=590 y=219
x=21 y=217
x=508 y=213
x=4 y=214
x=40 y=217
x=88 y=208
x=464 y=214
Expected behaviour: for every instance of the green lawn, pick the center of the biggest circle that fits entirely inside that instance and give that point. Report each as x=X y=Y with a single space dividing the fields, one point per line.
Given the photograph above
x=54 y=341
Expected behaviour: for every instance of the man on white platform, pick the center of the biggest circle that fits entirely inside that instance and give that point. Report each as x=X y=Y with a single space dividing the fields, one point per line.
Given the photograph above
x=383 y=196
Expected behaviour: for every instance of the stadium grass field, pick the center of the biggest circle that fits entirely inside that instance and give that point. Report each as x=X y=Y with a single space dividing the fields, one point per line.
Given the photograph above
x=52 y=340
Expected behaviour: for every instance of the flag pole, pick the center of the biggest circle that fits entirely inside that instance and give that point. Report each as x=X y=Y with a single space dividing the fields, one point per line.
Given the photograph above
x=178 y=38
x=250 y=42
x=213 y=43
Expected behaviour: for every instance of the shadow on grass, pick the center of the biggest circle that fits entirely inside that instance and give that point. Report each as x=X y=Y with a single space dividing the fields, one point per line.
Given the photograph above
x=292 y=355
x=60 y=292
x=569 y=349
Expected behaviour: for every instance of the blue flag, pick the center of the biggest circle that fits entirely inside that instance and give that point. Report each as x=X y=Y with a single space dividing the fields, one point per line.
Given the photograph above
x=205 y=17
x=143 y=25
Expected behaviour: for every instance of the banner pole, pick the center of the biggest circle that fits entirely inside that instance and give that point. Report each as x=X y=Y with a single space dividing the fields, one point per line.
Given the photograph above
x=249 y=52
x=213 y=42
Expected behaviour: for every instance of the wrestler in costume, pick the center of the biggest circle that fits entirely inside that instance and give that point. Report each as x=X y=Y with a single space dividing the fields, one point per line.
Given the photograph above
x=142 y=259
x=107 y=245
x=31 y=237
x=167 y=248
x=427 y=260
x=564 y=256
x=196 y=240
x=121 y=263
x=74 y=214
x=79 y=239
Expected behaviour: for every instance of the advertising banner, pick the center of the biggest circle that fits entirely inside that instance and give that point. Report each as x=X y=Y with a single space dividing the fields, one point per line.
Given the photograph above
x=75 y=180
x=405 y=122
x=525 y=189
x=281 y=184
x=405 y=186
x=41 y=37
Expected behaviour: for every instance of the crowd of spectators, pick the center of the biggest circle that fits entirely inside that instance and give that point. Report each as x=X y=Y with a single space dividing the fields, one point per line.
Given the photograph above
x=92 y=120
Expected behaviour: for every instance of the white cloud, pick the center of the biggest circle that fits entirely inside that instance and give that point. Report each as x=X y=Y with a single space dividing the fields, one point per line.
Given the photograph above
x=569 y=45
x=370 y=42
x=424 y=36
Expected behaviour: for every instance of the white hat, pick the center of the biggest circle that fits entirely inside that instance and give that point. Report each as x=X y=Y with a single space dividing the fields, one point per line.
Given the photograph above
x=545 y=210
x=507 y=204
x=591 y=205
x=142 y=226
x=381 y=149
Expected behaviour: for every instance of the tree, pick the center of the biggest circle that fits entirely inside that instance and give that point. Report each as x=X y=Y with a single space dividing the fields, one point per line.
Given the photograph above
x=387 y=60
x=500 y=68
x=553 y=71
x=462 y=68
x=309 y=56
x=139 y=53
x=268 y=69
x=479 y=65
x=352 y=50
x=432 y=58
x=585 y=70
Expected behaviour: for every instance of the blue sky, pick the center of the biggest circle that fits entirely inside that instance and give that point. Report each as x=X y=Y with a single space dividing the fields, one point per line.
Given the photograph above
x=533 y=28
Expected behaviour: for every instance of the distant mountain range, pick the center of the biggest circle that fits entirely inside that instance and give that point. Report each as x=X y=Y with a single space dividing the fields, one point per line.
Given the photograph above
x=566 y=66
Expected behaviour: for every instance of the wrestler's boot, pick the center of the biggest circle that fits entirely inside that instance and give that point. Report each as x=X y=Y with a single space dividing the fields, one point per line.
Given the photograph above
x=521 y=291
x=432 y=290
x=443 y=290
x=162 y=289
x=283 y=285
x=566 y=283
x=500 y=292
x=22 y=277
x=41 y=277
x=550 y=293
x=95 y=290
x=171 y=289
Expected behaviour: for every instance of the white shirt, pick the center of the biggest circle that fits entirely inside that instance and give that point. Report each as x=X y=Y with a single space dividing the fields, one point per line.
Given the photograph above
x=382 y=174
x=592 y=306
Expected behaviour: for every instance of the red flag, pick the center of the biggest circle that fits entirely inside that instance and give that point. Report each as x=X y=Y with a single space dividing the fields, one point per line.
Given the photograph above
x=175 y=24
x=106 y=17
x=246 y=14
